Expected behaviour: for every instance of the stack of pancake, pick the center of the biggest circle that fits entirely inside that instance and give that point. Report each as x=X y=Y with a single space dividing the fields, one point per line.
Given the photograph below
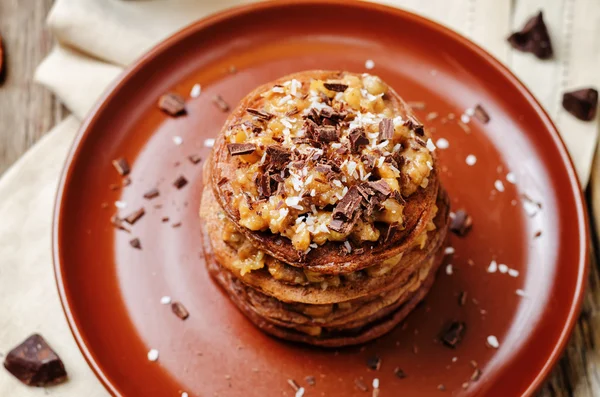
x=323 y=215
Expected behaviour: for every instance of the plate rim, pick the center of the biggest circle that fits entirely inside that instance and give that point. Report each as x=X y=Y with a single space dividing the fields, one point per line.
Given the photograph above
x=212 y=19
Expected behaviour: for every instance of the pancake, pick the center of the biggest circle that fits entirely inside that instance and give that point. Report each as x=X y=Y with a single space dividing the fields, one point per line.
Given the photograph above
x=315 y=294
x=414 y=202
x=326 y=338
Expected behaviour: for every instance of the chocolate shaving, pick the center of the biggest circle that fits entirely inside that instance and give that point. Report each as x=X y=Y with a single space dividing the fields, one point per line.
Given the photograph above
x=237 y=149
x=399 y=373
x=346 y=211
x=165 y=219
x=374 y=363
x=326 y=134
x=135 y=243
x=152 y=193
x=332 y=116
x=480 y=114
x=461 y=223
x=261 y=114
x=310 y=380
x=220 y=103
x=194 y=158
x=180 y=310
x=581 y=103
x=122 y=166
x=135 y=216
x=176 y=225
x=453 y=334
x=358 y=139
x=391 y=230
x=264 y=185
x=382 y=188
x=180 y=182
x=222 y=181
x=386 y=129
x=337 y=87
x=414 y=125
x=533 y=38
x=368 y=161
x=279 y=156
x=172 y=104
x=34 y=363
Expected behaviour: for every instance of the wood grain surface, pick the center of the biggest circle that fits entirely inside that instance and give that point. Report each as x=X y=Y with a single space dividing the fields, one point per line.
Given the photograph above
x=27 y=111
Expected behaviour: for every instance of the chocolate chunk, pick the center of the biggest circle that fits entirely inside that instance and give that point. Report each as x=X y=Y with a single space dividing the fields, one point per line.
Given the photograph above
x=165 y=219
x=180 y=182
x=374 y=363
x=152 y=193
x=386 y=129
x=194 y=158
x=537 y=234
x=172 y=104
x=337 y=87
x=461 y=223
x=462 y=298
x=533 y=38
x=399 y=373
x=180 y=310
x=453 y=334
x=34 y=363
x=220 y=103
x=310 y=380
x=135 y=243
x=358 y=139
x=122 y=166
x=326 y=134
x=222 y=181
x=480 y=114
x=135 y=216
x=279 y=155
x=581 y=103
x=382 y=188
x=414 y=125
x=236 y=149
x=176 y=225
x=330 y=115
x=261 y=114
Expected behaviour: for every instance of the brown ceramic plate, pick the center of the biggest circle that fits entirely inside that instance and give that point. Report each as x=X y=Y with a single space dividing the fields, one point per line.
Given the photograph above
x=111 y=292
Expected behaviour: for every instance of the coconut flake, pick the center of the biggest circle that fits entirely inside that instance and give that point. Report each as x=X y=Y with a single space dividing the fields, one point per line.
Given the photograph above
x=120 y=204
x=196 y=90
x=510 y=177
x=502 y=268
x=492 y=267
x=165 y=300
x=520 y=292
x=471 y=159
x=513 y=272
x=465 y=118
x=348 y=246
x=442 y=143
x=492 y=341
x=376 y=383
x=209 y=142
x=430 y=145
x=449 y=270
x=153 y=355
x=177 y=140
x=499 y=185
x=449 y=250
x=369 y=64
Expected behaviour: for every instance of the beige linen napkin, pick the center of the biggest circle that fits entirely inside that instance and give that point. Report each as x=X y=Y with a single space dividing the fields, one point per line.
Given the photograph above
x=97 y=38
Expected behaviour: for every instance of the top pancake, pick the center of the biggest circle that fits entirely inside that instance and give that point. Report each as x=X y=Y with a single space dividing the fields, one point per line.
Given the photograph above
x=314 y=195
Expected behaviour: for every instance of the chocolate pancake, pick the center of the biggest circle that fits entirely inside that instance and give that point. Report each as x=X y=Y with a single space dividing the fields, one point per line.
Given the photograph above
x=332 y=256
x=262 y=280
x=326 y=337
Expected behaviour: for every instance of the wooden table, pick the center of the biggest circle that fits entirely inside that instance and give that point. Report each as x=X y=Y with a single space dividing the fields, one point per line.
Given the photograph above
x=27 y=111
